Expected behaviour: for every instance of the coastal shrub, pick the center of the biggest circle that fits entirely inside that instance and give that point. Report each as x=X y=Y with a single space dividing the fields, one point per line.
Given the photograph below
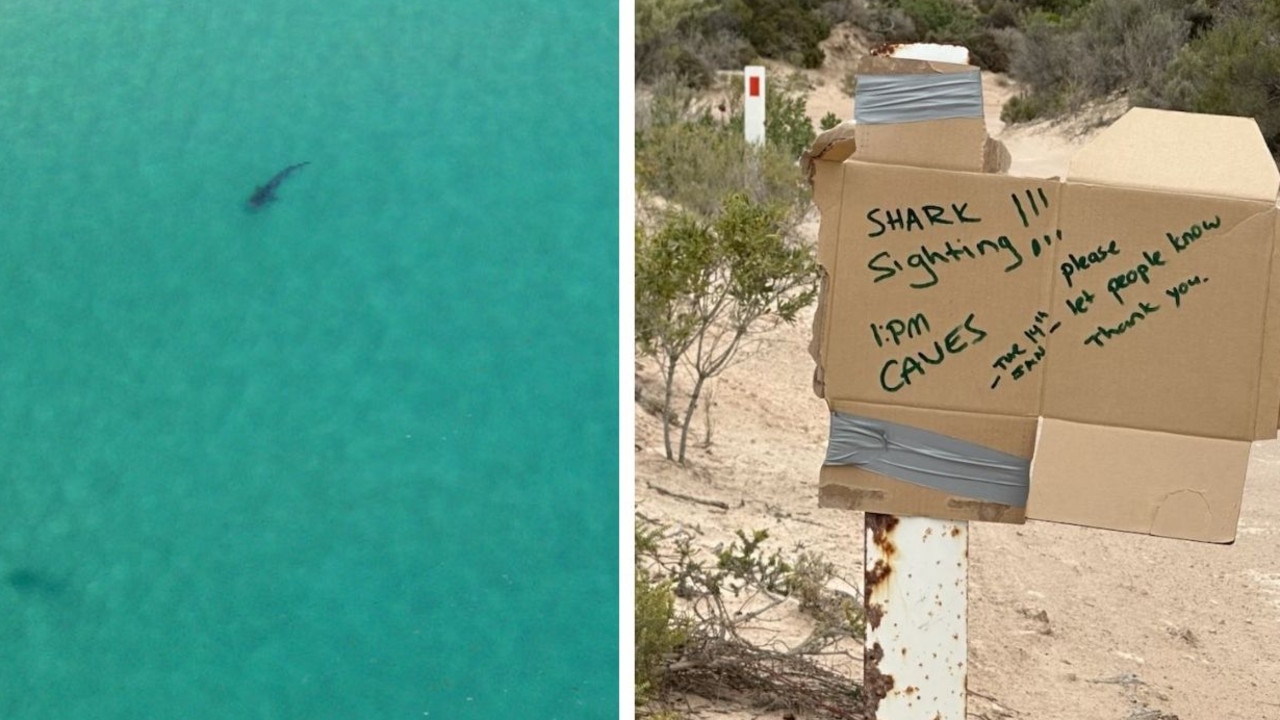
x=666 y=40
x=988 y=51
x=659 y=631
x=1104 y=48
x=1125 y=45
x=703 y=284
x=1021 y=108
x=788 y=30
x=694 y=38
x=692 y=158
x=940 y=20
x=695 y=165
x=716 y=601
x=1232 y=69
x=786 y=120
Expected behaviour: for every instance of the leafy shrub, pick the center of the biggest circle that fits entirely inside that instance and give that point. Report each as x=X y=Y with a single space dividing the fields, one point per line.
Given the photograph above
x=1232 y=69
x=1003 y=14
x=987 y=51
x=701 y=286
x=854 y=12
x=788 y=30
x=1104 y=48
x=663 y=38
x=829 y=121
x=940 y=20
x=1021 y=108
x=1127 y=44
x=745 y=582
x=659 y=631
x=1047 y=57
x=786 y=122
x=697 y=164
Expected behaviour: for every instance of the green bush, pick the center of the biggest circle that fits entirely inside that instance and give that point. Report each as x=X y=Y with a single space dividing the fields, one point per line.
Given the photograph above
x=987 y=51
x=788 y=30
x=703 y=285
x=702 y=648
x=693 y=38
x=829 y=121
x=697 y=164
x=940 y=20
x=1105 y=48
x=659 y=631
x=786 y=122
x=1003 y=14
x=1047 y=54
x=1232 y=69
x=663 y=39
x=1021 y=108
x=695 y=160
x=1125 y=45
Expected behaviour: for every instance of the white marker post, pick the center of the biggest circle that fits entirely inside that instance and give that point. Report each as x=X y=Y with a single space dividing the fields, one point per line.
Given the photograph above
x=753 y=104
x=915 y=656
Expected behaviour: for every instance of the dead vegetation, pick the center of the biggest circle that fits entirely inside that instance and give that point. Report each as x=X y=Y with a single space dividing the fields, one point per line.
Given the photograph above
x=725 y=648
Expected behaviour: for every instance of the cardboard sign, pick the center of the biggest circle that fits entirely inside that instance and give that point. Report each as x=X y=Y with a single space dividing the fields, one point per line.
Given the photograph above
x=1117 y=327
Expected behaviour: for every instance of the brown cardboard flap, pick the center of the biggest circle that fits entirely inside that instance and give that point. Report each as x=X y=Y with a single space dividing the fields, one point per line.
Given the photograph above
x=851 y=488
x=1138 y=481
x=832 y=146
x=1166 y=331
x=1192 y=153
x=1269 y=373
x=996 y=157
x=916 y=144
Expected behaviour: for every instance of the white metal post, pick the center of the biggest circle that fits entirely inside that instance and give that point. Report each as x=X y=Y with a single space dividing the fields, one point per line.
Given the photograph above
x=915 y=661
x=753 y=104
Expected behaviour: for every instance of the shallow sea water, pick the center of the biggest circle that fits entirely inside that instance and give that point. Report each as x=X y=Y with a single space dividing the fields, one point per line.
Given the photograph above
x=353 y=455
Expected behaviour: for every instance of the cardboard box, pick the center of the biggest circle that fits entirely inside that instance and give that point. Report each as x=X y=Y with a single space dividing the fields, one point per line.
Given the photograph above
x=1158 y=384
x=1117 y=328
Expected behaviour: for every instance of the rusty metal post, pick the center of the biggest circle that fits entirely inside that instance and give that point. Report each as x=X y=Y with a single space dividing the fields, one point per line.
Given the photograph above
x=915 y=662
x=915 y=657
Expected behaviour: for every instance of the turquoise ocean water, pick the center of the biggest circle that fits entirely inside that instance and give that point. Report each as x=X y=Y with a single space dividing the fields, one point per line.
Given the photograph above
x=353 y=455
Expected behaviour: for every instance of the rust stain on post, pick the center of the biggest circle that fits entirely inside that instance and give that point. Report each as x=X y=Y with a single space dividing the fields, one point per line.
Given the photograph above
x=875 y=684
x=887 y=49
x=875 y=613
x=881 y=526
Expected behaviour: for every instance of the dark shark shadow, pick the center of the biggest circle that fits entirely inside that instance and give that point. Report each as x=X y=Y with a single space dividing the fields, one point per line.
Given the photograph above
x=266 y=194
x=35 y=582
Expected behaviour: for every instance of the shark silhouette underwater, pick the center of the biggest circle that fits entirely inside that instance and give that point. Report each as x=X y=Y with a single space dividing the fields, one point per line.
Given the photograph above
x=266 y=194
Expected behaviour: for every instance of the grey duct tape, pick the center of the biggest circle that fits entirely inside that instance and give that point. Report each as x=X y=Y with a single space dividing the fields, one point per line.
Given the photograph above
x=883 y=99
x=926 y=458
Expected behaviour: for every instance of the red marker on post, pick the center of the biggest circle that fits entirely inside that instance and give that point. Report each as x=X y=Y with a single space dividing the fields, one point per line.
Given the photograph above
x=753 y=104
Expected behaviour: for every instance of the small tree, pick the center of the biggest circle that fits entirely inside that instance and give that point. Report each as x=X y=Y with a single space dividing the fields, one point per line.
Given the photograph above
x=701 y=287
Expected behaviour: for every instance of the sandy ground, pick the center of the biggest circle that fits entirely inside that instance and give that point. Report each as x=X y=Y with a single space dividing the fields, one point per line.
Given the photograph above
x=1064 y=622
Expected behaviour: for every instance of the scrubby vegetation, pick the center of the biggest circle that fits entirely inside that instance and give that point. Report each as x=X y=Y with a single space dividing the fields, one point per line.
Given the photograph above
x=1209 y=56
x=717 y=257
x=694 y=612
x=1214 y=56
